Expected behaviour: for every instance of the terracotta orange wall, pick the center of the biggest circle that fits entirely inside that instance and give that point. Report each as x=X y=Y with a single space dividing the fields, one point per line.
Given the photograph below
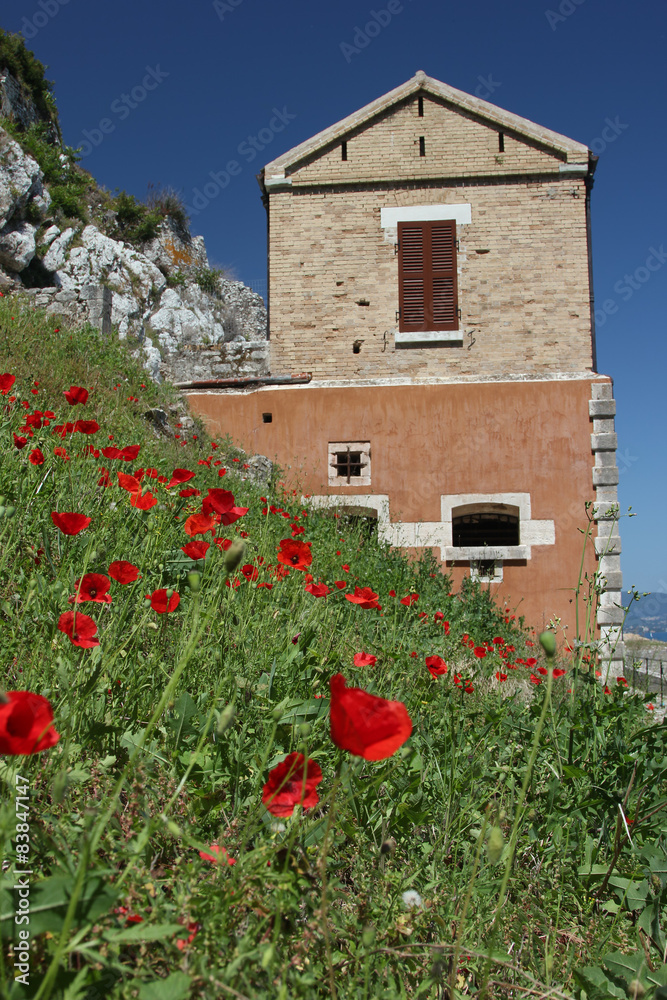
x=428 y=440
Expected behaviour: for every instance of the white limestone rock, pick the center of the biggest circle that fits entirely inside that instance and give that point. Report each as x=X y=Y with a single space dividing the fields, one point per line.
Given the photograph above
x=187 y=315
x=57 y=252
x=17 y=245
x=49 y=236
x=106 y=261
x=20 y=178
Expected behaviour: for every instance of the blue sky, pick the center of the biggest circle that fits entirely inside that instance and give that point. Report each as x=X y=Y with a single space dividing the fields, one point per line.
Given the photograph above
x=203 y=81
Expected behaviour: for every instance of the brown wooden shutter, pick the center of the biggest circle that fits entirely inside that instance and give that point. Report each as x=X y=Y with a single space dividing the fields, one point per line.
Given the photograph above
x=427 y=290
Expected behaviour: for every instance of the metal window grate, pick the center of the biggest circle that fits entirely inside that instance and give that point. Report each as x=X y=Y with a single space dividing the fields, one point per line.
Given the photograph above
x=349 y=464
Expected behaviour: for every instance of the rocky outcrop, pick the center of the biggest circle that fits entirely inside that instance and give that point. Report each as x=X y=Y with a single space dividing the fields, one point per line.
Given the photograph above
x=152 y=293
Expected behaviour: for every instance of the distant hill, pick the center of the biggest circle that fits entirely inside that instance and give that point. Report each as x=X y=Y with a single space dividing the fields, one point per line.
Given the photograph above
x=648 y=616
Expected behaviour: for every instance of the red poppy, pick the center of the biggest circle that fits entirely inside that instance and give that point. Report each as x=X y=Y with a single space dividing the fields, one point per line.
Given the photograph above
x=500 y=676
x=223 y=543
x=6 y=382
x=364 y=597
x=86 y=426
x=123 y=571
x=125 y=454
x=438 y=616
x=180 y=476
x=161 y=603
x=364 y=659
x=250 y=572
x=531 y=661
x=198 y=524
x=233 y=515
x=295 y=554
x=192 y=926
x=80 y=628
x=76 y=394
x=436 y=665
x=345 y=568
x=70 y=523
x=105 y=478
x=534 y=679
x=292 y=782
x=392 y=593
x=130 y=483
x=480 y=652
x=318 y=589
x=20 y=442
x=92 y=587
x=218 y=501
x=409 y=599
x=143 y=502
x=196 y=550
x=558 y=672
x=218 y=856
x=367 y=726
x=26 y=724
x=36 y=457
x=341 y=584
x=191 y=492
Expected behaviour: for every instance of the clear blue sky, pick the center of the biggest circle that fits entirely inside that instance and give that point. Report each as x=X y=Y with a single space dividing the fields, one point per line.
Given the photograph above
x=215 y=72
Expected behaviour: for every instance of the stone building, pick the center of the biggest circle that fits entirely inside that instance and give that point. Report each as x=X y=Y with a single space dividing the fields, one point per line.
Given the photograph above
x=430 y=284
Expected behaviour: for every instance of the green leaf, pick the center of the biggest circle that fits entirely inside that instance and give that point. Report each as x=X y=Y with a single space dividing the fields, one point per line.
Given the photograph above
x=597 y=986
x=174 y=987
x=142 y=932
x=297 y=710
x=572 y=771
x=625 y=967
x=49 y=900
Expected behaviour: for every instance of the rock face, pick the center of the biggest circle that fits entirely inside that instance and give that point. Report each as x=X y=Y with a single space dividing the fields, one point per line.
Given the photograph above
x=153 y=293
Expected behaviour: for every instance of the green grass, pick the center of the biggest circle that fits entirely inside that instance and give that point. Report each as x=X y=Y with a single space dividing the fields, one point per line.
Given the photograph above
x=170 y=727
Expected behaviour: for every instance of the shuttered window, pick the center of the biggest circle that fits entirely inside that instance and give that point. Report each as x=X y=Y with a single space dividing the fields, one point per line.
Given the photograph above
x=427 y=290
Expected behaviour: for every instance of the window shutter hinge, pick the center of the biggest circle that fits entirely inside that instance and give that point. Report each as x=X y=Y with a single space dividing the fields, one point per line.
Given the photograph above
x=458 y=312
x=395 y=249
x=398 y=315
x=457 y=245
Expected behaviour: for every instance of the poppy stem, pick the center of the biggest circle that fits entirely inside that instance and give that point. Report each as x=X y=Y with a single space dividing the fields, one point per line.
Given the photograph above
x=323 y=875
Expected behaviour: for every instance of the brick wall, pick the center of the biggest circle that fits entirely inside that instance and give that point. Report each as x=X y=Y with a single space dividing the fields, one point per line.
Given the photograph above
x=525 y=302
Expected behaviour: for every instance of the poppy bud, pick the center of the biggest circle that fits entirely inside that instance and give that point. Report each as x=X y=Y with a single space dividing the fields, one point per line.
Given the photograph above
x=234 y=555
x=170 y=591
x=636 y=990
x=548 y=643
x=10 y=511
x=388 y=846
x=304 y=728
x=226 y=718
x=174 y=828
x=2 y=512
x=495 y=844
x=194 y=581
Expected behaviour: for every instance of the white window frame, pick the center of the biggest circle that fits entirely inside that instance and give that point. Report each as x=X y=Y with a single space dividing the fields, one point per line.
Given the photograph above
x=364 y=447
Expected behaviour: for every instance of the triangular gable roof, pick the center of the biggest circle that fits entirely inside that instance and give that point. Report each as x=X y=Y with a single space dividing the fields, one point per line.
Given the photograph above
x=569 y=149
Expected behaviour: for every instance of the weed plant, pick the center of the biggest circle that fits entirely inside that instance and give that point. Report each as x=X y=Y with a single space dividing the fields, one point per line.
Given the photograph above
x=513 y=846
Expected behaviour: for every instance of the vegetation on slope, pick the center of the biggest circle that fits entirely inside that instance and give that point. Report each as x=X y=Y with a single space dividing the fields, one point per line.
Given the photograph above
x=513 y=845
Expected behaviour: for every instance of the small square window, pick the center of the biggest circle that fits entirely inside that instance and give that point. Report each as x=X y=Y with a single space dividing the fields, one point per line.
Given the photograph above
x=487 y=570
x=349 y=463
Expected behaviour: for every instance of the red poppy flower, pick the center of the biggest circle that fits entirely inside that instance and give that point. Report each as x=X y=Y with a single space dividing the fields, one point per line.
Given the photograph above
x=198 y=524
x=534 y=679
x=130 y=483
x=125 y=454
x=217 y=501
x=161 y=603
x=558 y=672
x=364 y=660
x=250 y=572
x=318 y=589
x=196 y=550
x=180 y=476
x=80 y=628
x=436 y=665
x=223 y=543
x=392 y=593
x=218 y=856
x=123 y=572
x=365 y=725
x=192 y=926
x=295 y=554
x=92 y=587
x=144 y=502
x=71 y=523
x=36 y=457
x=233 y=515
x=20 y=442
x=76 y=394
x=500 y=676
x=345 y=568
x=341 y=584
x=364 y=597
x=480 y=652
x=26 y=724
x=6 y=382
x=438 y=616
x=105 y=478
x=409 y=599
x=86 y=426
x=191 y=492
x=292 y=782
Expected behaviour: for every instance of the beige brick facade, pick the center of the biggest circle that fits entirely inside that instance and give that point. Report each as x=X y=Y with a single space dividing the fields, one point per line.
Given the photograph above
x=523 y=279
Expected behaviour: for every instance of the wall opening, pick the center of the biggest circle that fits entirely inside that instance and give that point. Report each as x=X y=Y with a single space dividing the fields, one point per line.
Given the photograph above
x=501 y=142
x=343 y=150
x=420 y=107
x=267 y=418
x=422 y=146
x=476 y=525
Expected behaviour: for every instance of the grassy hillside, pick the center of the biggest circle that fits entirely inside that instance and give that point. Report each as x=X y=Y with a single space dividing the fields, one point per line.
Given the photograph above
x=485 y=825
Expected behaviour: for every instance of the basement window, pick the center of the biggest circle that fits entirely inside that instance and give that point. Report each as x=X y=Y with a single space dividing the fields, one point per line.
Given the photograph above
x=493 y=528
x=349 y=463
x=487 y=570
